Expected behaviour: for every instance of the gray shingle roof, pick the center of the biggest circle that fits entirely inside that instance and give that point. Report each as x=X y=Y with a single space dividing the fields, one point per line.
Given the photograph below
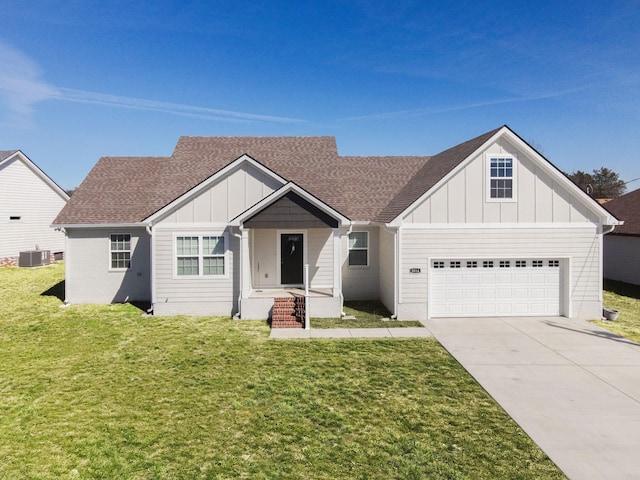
x=4 y=154
x=125 y=190
x=627 y=208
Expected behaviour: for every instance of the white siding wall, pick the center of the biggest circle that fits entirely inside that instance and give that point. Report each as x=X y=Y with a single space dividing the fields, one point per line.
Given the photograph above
x=319 y=254
x=386 y=261
x=89 y=278
x=226 y=199
x=320 y=257
x=622 y=258
x=463 y=198
x=26 y=195
x=361 y=283
x=209 y=212
x=193 y=296
x=580 y=246
x=264 y=257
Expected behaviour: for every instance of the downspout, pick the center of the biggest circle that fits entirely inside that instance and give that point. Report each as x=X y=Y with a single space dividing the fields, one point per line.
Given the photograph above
x=395 y=269
x=152 y=283
x=239 y=237
x=605 y=230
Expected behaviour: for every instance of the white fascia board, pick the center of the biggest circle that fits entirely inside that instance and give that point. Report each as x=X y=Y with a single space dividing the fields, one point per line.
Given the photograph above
x=605 y=217
x=67 y=226
x=281 y=192
x=498 y=226
x=397 y=222
x=229 y=168
x=39 y=173
x=195 y=226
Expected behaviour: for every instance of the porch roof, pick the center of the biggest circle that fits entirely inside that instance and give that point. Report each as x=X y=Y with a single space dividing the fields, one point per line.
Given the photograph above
x=290 y=207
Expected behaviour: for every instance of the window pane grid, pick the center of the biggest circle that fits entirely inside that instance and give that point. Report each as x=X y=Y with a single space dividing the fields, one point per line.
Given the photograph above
x=501 y=178
x=200 y=255
x=359 y=249
x=120 y=249
x=188 y=266
x=120 y=259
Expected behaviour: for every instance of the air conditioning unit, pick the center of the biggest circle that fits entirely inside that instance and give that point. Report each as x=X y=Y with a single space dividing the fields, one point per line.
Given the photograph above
x=34 y=258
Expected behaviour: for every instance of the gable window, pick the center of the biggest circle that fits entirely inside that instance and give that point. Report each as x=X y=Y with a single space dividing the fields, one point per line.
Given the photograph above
x=501 y=174
x=120 y=250
x=359 y=249
x=200 y=255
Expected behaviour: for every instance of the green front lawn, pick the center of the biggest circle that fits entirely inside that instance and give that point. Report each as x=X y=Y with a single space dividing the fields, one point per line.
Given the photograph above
x=625 y=298
x=368 y=314
x=103 y=392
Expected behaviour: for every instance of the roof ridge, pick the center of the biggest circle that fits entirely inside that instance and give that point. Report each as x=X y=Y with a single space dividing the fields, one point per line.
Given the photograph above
x=434 y=170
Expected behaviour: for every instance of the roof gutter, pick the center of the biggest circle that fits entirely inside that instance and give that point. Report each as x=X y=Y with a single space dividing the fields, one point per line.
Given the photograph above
x=101 y=225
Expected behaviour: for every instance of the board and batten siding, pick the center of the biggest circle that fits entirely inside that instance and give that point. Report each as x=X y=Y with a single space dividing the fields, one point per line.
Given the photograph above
x=88 y=276
x=462 y=199
x=578 y=247
x=25 y=195
x=622 y=258
x=227 y=198
x=205 y=295
x=361 y=282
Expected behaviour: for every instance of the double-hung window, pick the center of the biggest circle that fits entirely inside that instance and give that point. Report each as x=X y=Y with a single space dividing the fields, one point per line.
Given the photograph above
x=501 y=172
x=359 y=249
x=120 y=250
x=200 y=255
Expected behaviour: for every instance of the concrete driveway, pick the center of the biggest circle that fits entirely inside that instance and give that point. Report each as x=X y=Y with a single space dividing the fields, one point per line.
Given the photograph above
x=573 y=387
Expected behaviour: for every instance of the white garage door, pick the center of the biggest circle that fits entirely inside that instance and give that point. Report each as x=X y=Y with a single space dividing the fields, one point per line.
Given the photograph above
x=498 y=287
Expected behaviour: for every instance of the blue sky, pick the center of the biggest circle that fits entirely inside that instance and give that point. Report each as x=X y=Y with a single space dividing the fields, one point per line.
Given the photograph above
x=84 y=79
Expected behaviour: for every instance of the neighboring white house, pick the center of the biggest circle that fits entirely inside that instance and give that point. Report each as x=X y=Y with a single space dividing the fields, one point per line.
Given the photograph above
x=223 y=225
x=622 y=246
x=29 y=201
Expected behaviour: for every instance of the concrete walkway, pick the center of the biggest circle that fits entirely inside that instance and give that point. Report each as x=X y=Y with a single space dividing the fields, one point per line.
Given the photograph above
x=573 y=387
x=408 y=332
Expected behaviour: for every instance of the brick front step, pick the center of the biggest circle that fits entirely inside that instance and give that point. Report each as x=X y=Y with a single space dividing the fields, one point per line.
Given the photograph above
x=288 y=312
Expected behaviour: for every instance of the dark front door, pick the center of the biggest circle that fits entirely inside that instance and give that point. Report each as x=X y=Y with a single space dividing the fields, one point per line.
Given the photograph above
x=291 y=258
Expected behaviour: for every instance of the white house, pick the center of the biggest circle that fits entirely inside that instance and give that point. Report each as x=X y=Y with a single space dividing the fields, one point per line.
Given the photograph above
x=29 y=202
x=622 y=247
x=223 y=225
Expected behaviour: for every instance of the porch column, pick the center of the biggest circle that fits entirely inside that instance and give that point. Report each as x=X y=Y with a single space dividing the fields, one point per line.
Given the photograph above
x=337 y=263
x=245 y=263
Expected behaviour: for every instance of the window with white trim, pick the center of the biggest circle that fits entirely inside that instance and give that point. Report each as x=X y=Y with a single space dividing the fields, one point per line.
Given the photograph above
x=120 y=250
x=501 y=178
x=359 y=249
x=200 y=255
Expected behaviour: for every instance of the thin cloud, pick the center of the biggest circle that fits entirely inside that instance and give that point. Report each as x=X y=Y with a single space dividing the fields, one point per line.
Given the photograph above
x=22 y=88
x=20 y=84
x=94 y=98
x=421 y=112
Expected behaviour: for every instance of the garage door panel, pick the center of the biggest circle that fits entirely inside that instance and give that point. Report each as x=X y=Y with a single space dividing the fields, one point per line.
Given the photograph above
x=502 y=287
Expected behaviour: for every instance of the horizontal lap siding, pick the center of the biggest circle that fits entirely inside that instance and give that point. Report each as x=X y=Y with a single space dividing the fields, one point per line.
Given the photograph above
x=581 y=245
x=320 y=257
x=622 y=258
x=359 y=282
x=216 y=296
x=387 y=271
x=88 y=277
x=24 y=194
